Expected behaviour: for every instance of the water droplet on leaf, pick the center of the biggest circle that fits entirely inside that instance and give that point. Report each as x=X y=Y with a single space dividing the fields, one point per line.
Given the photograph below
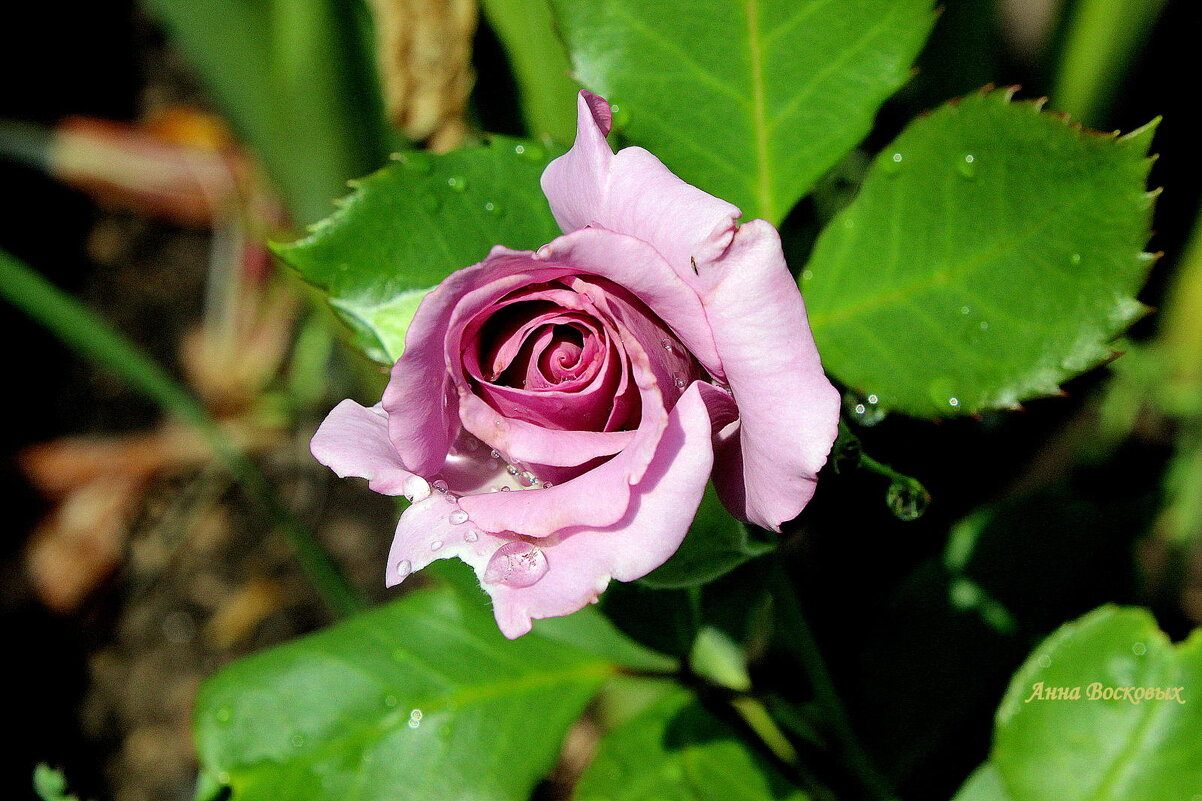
x=967 y=167
x=415 y=718
x=457 y=183
x=907 y=499
x=516 y=564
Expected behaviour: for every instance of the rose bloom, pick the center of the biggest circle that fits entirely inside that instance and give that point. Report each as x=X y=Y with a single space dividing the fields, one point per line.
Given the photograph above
x=556 y=414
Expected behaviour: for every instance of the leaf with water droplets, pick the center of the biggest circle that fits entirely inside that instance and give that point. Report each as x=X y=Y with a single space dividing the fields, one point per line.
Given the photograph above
x=1054 y=739
x=421 y=698
x=676 y=749
x=750 y=101
x=993 y=252
x=411 y=224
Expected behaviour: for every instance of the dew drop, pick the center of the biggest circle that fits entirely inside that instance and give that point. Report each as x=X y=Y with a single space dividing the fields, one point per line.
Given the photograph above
x=1075 y=258
x=440 y=485
x=403 y=568
x=390 y=701
x=494 y=454
x=516 y=564
x=1139 y=649
x=529 y=150
x=1045 y=661
x=416 y=488
x=984 y=326
x=505 y=489
x=967 y=167
x=679 y=381
x=436 y=545
x=415 y=718
x=298 y=740
x=547 y=485
x=907 y=500
x=471 y=536
x=457 y=517
x=865 y=412
x=965 y=310
x=667 y=343
x=224 y=715
x=893 y=164
x=873 y=399
x=528 y=478
x=457 y=183
x=493 y=207
x=621 y=115
x=512 y=470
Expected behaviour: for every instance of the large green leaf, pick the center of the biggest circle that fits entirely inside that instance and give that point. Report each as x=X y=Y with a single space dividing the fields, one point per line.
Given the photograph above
x=751 y=100
x=716 y=544
x=1054 y=739
x=420 y=699
x=676 y=750
x=411 y=224
x=992 y=252
x=985 y=784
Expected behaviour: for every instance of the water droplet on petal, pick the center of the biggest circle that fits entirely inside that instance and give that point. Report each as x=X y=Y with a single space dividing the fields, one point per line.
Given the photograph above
x=403 y=568
x=516 y=564
x=667 y=343
x=547 y=485
x=440 y=485
x=471 y=536
x=495 y=454
x=416 y=488
x=436 y=545
x=679 y=381
x=505 y=489
x=907 y=500
x=458 y=516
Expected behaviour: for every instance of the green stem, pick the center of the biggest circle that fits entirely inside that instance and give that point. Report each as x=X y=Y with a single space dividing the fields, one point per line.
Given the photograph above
x=88 y=333
x=795 y=633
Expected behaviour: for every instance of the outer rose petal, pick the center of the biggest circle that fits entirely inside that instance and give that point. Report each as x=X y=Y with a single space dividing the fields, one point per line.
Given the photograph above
x=353 y=441
x=633 y=193
x=583 y=560
x=425 y=533
x=788 y=410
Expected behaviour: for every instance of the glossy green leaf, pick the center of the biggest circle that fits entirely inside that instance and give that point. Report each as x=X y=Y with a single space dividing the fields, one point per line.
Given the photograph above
x=750 y=100
x=420 y=699
x=676 y=750
x=716 y=544
x=1060 y=736
x=413 y=223
x=993 y=252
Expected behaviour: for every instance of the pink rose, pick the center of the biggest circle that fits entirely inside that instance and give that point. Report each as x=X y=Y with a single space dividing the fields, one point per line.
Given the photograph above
x=556 y=414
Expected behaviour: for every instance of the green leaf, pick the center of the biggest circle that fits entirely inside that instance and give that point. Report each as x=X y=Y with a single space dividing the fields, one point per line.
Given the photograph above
x=1081 y=748
x=50 y=784
x=539 y=63
x=676 y=750
x=751 y=100
x=992 y=253
x=985 y=784
x=716 y=544
x=408 y=226
x=420 y=699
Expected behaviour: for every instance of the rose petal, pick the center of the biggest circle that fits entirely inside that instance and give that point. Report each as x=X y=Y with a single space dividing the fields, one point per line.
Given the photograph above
x=353 y=441
x=427 y=531
x=788 y=410
x=637 y=267
x=581 y=561
x=633 y=193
